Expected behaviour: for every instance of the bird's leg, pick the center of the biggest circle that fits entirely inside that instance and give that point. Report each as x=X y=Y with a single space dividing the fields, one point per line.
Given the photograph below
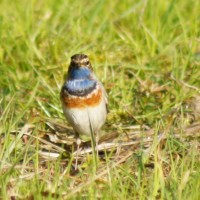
x=78 y=142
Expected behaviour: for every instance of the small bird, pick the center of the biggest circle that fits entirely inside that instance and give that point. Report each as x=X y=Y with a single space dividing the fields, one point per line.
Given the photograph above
x=84 y=99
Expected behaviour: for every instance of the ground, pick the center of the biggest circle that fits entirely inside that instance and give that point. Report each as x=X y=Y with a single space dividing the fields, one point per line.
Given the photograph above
x=147 y=55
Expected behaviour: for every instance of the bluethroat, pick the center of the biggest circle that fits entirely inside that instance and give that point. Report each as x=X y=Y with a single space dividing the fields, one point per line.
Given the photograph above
x=84 y=99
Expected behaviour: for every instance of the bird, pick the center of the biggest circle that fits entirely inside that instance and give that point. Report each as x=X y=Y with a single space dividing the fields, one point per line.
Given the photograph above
x=84 y=99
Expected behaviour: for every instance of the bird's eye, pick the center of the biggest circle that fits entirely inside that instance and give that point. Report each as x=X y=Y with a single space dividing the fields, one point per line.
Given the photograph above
x=87 y=63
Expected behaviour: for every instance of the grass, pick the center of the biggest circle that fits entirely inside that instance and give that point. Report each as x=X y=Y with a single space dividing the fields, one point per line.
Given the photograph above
x=146 y=53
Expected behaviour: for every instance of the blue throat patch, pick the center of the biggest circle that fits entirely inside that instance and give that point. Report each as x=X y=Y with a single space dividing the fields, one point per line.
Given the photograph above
x=79 y=73
x=79 y=82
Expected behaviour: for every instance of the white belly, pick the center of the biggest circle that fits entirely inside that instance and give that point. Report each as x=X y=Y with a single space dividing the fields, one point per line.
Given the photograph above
x=85 y=120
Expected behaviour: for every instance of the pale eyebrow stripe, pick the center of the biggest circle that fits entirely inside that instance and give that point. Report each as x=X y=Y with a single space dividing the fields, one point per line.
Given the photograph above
x=84 y=60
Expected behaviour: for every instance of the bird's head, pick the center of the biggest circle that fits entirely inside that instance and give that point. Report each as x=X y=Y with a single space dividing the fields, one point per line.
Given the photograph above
x=80 y=60
x=80 y=67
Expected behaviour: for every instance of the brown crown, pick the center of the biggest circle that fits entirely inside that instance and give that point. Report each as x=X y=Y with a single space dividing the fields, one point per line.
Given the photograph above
x=80 y=60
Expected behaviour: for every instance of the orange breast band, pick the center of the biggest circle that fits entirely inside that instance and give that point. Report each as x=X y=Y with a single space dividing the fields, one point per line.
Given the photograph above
x=81 y=102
